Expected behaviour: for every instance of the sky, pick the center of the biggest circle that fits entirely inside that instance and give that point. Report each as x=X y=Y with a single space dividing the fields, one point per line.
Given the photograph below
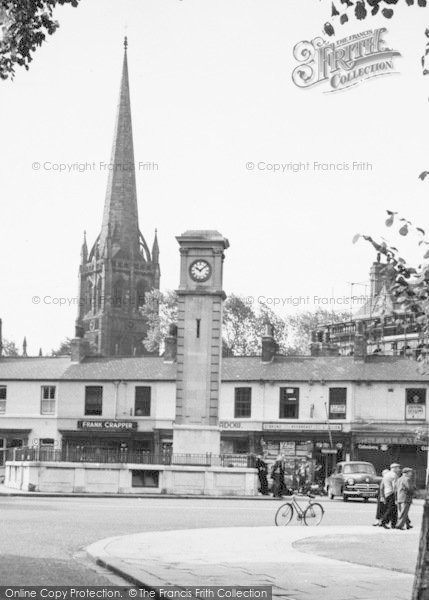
x=211 y=91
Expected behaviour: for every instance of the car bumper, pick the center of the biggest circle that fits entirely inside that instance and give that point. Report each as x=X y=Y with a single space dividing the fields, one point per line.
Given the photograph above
x=361 y=493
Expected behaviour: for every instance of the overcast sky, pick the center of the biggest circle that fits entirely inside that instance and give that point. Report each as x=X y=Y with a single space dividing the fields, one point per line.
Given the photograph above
x=211 y=90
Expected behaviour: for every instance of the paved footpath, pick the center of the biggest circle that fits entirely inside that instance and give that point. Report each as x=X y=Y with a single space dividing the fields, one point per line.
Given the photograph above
x=260 y=556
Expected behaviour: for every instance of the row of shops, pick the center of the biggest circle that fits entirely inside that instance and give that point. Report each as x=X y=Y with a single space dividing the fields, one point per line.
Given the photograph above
x=319 y=445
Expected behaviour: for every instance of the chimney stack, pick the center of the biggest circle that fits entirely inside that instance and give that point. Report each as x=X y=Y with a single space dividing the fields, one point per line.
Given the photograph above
x=79 y=349
x=269 y=346
x=170 y=350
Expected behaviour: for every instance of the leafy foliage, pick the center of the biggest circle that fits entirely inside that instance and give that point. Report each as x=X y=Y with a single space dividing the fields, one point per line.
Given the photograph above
x=24 y=25
x=64 y=348
x=243 y=326
x=160 y=310
x=9 y=348
x=410 y=284
x=360 y=9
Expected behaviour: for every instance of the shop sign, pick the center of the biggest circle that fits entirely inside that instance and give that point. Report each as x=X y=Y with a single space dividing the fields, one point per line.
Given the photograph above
x=424 y=448
x=388 y=439
x=337 y=409
x=107 y=425
x=415 y=412
x=287 y=448
x=239 y=425
x=302 y=427
x=368 y=447
x=329 y=451
x=415 y=404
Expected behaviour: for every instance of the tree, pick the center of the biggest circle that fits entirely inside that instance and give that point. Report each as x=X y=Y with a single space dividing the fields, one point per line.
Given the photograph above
x=409 y=283
x=63 y=349
x=9 y=348
x=342 y=10
x=243 y=327
x=160 y=311
x=304 y=323
x=24 y=25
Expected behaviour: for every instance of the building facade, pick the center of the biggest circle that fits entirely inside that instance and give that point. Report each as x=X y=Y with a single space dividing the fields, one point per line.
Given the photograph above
x=316 y=409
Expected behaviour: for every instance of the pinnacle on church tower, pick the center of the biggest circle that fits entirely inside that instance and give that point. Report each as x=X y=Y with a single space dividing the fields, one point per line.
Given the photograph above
x=118 y=271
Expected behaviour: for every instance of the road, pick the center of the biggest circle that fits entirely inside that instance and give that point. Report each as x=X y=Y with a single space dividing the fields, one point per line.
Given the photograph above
x=42 y=539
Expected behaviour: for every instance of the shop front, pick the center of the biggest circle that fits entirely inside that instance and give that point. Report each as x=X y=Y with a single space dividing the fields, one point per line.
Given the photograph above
x=240 y=437
x=116 y=436
x=311 y=450
x=384 y=448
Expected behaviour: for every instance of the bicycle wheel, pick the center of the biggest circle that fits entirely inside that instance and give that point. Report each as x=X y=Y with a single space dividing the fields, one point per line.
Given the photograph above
x=313 y=514
x=284 y=514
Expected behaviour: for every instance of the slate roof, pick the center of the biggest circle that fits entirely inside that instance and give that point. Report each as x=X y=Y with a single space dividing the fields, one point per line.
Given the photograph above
x=249 y=368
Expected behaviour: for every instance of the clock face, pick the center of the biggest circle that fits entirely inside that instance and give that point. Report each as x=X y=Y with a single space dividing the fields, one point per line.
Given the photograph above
x=200 y=270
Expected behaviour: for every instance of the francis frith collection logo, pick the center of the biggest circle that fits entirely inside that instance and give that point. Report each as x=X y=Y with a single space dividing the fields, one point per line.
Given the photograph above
x=344 y=63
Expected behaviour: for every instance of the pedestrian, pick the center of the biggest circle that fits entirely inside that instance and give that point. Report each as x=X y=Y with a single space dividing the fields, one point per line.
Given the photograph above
x=262 y=468
x=404 y=496
x=278 y=477
x=390 y=514
x=381 y=506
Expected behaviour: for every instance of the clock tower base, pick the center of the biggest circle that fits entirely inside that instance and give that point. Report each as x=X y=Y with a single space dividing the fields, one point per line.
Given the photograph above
x=196 y=439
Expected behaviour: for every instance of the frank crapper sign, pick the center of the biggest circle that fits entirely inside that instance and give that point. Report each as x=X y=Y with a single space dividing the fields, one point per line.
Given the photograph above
x=107 y=425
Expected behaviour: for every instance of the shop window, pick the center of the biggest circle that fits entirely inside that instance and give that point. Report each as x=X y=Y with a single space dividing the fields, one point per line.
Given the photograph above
x=240 y=446
x=289 y=403
x=3 y=397
x=142 y=401
x=47 y=403
x=415 y=404
x=142 y=478
x=337 y=403
x=243 y=402
x=93 y=400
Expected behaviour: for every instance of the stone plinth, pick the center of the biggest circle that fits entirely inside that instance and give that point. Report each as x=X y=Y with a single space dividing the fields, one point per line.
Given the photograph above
x=196 y=439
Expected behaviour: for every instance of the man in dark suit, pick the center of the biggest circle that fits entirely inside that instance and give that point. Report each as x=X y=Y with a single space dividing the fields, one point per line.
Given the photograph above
x=404 y=497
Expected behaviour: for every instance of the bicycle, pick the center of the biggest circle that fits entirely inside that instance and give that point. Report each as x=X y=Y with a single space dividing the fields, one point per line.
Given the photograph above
x=312 y=514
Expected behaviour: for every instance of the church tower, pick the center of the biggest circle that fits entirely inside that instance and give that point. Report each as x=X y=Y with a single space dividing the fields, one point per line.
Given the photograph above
x=118 y=271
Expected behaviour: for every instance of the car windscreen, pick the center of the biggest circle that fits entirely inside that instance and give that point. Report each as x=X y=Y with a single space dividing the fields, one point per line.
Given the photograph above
x=359 y=468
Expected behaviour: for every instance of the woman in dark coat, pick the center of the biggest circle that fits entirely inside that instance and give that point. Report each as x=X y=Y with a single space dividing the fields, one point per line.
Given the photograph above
x=278 y=477
x=262 y=468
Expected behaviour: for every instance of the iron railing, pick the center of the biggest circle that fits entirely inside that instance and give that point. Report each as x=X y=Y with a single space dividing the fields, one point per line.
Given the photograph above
x=113 y=455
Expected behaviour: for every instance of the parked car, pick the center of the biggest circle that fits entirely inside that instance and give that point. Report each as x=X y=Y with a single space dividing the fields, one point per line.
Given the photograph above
x=353 y=479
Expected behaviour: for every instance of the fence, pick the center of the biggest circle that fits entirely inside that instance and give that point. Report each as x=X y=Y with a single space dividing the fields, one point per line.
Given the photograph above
x=114 y=455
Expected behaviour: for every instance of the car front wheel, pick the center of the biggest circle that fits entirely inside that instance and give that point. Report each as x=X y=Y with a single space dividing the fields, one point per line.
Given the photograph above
x=345 y=497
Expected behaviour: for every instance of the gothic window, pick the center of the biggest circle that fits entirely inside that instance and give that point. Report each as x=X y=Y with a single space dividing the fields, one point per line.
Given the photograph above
x=140 y=294
x=88 y=299
x=118 y=293
x=99 y=294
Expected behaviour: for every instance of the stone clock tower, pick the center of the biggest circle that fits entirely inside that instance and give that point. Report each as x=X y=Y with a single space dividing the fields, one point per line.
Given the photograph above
x=199 y=343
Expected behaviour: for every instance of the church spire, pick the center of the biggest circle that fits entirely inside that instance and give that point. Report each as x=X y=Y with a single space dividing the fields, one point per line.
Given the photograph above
x=120 y=207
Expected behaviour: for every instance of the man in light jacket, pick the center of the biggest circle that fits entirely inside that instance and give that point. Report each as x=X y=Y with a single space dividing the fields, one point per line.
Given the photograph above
x=404 y=497
x=389 y=497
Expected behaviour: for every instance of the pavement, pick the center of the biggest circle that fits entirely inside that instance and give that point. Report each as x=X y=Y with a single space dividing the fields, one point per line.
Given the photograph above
x=300 y=563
